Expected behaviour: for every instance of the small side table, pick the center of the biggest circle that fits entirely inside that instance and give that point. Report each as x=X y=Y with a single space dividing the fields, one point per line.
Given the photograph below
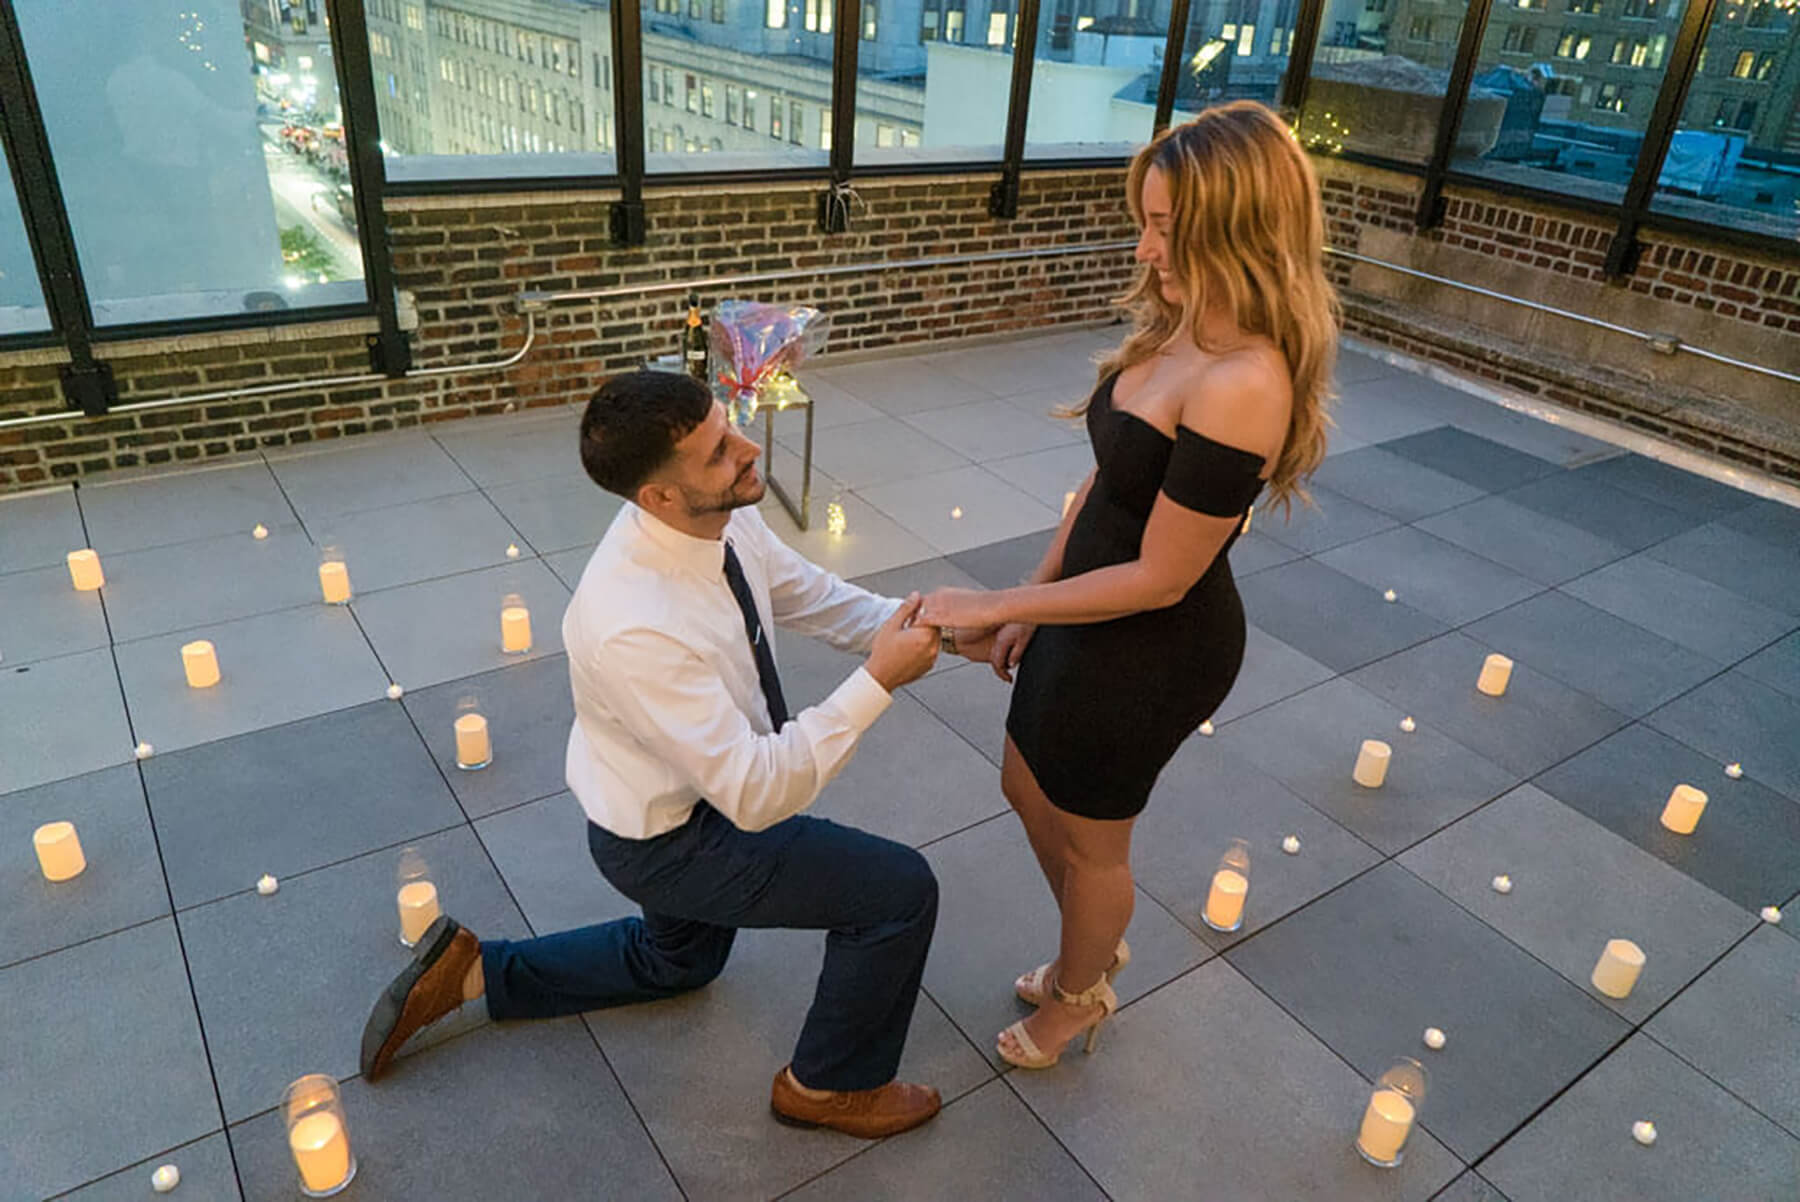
x=781 y=398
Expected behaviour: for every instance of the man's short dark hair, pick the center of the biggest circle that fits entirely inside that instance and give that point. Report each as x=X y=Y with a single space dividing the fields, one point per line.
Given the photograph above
x=633 y=423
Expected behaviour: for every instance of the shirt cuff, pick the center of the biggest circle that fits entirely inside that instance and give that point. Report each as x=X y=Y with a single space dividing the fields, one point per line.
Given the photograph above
x=861 y=699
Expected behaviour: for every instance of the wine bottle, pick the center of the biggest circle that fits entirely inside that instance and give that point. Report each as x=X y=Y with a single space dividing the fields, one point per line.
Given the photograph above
x=694 y=345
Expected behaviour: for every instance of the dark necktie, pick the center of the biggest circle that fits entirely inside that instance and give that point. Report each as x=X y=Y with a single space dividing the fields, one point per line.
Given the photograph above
x=759 y=643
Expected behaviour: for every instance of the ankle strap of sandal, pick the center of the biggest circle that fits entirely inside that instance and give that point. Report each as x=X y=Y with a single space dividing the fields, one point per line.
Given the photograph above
x=1099 y=993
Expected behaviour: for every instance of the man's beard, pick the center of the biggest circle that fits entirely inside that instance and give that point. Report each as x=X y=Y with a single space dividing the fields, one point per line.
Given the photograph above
x=736 y=497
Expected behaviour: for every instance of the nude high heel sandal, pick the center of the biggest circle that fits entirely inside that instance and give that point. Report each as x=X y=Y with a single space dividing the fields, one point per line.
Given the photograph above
x=1030 y=987
x=1030 y=1056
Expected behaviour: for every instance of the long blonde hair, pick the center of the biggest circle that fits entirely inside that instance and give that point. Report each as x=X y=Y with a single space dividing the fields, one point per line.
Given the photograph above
x=1247 y=236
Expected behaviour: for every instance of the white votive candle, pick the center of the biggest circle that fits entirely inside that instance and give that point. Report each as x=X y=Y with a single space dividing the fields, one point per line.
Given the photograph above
x=58 y=850
x=200 y=663
x=1681 y=813
x=321 y=1151
x=84 y=570
x=1618 y=968
x=418 y=902
x=515 y=630
x=1225 y=901
x=334 y=582
x=1496 y=672
x=473 y=749
x=1372 y=763
x=1385 y=1125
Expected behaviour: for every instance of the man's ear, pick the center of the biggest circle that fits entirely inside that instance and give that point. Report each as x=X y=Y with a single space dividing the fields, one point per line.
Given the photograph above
x=653 y=497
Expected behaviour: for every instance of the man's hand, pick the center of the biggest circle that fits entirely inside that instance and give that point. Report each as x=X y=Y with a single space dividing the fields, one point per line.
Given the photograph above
x=1009 y=647
x=904 y=649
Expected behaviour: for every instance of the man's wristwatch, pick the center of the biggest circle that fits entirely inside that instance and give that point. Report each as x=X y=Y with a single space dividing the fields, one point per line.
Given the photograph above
x=947 y=639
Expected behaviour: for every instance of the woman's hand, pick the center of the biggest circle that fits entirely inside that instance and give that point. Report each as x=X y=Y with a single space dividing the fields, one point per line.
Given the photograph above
x=1009 y=646
x=974 y=643
x=962 y=609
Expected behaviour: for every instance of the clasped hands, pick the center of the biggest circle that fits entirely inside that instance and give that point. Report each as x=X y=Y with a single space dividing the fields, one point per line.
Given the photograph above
x=982 y=632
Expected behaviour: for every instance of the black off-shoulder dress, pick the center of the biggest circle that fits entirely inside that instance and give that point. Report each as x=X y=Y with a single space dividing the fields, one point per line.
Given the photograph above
x=1098 y=709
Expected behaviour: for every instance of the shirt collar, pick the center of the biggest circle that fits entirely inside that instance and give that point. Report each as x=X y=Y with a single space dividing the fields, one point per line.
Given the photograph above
x=705 y=557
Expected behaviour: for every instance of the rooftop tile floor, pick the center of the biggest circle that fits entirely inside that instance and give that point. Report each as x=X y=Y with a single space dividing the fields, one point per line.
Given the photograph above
x=156 y=1005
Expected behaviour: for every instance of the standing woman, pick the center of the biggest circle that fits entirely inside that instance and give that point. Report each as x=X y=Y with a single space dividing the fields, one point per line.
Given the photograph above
x=1130 y=633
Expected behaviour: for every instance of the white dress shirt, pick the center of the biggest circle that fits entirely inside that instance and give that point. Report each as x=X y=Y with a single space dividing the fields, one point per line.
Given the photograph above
x=668 y=707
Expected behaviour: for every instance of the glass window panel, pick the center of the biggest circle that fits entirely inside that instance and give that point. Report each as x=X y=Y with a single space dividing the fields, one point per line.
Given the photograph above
x=490 y=89
x=1735 y=156
x=947 y=95
x=1214 y=66
x=1561 y=95
x=771 y=61
x=1093 y=86
x=200 y=153
x=22 y=308
x=1379 y=76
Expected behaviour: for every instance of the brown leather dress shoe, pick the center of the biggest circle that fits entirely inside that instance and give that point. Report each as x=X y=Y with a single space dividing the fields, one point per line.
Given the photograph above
x=426 y=990
x=864 y=1113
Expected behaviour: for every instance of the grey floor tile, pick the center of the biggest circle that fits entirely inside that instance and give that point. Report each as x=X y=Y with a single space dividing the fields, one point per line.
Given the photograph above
x=1411 y=959
x=872 y=541
x=1272 y=671
x=1310 y=742
x=879 y=452
x=1777 y=666
x=987 y=430
x=207 y=1175
x=960 y=509
x=569 y=565
x=1431 y=575
x=529 y=710
x=1331 y=521
x=1207 y=1089
x=291 y=799
x=1202 y=801
x=45 y=617
x=1747 y=846
x=1534 y=436
x=1707 y=1141
x=1774 y=522
x=913 y=780
x=62 y=717
x=833 y=406
x=1540 y=547
x=971 y=701
x=208 y=581
x=923 y=577
x=698 y=1067
x=98 y=1022
x=440 y=630
x=1735 y=1024
x=1618 y=517
x=129 y=515
x=122 y=885
x=1575 y=886
x=435 y=1129
x=1668 y=486
x=986 y=1145
x=1255 y=551
x=556 y=513
x=1682 y=607
x=38 y=530
x=1368 y=415
x=285 y=982
x=1356 y=368
x=274 y=668
x=1537 y=723
x=1470 y=1187
x=1004 y=564
x=1336 y=620
x=541 y=850
x=524 y=447
x=1393 y=484
x=902 y=385
x=1762 y=572
x=380 y=472
x=1608 y=658
x=1049 y=476
x=402 y=544
x=997 y=919
x=1474 y=460
x=1010 y=368
x=1735 y=719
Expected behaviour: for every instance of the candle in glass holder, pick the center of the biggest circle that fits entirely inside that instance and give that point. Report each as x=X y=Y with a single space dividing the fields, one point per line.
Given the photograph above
x=1618 y=969
x=1496 y=672
x=515 y=626
x=334 y=577
x=1230 y=885
x=58 y=850
x=84 y=570
x=1682 y=812
x=418 y=902
x=1372 y=764
x=200 y=663
x=1388 y=1118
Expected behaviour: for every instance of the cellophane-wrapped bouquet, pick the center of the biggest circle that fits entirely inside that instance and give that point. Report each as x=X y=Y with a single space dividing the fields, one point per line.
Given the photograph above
x=756 y=346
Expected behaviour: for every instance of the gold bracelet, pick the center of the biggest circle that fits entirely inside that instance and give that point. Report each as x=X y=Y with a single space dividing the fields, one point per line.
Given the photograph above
x=947 y=639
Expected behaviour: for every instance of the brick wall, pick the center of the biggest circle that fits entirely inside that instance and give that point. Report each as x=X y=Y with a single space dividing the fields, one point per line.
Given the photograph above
x=463 y=258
